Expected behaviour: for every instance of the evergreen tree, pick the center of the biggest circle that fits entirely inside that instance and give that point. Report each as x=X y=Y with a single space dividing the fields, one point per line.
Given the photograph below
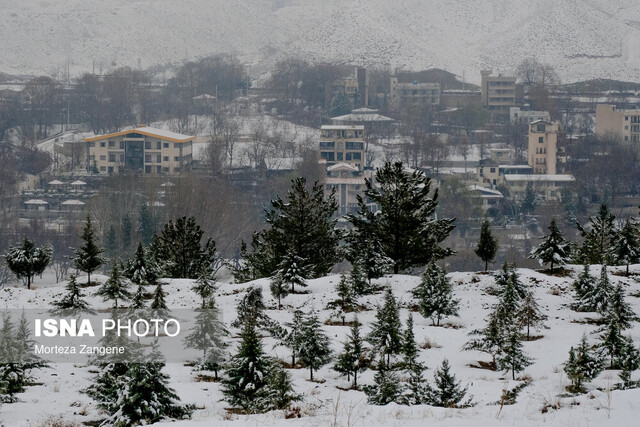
x=530 y=314
x=511 y=293
x=146 y=224
x=628 y=362
x=583 y=365
x=512 y=358
x=359 y=281
x=72 y=303
x=341 y=104
x=599 y=238
x=28 y=260
x=529 y=203
x=584 y=287
x=618 y=310
x=346 y=301
x=612 y=343
x=554 y=249
x=491 y=338
x=208 y=335
x=115 y=288
x=251 y=308
x=415 y=393
x=141 y=271
x=626 y=246
x=385 y=334
x=293 y=338
x=446 y=392
x=404 y=226
x=179 y=251
x=598 y=298
x=111 y=242
x=434 y=295
x=487 y=247
x=365 y=251
x=354 y=357
x=13 y=376
x=126 y=229
x=142 y=396
x=314 y=351
x=302 y=225
x=386 y=387
x=251 y=377
x=205 y=286
x=137 y=301
x=88 y=257
x=159 y=305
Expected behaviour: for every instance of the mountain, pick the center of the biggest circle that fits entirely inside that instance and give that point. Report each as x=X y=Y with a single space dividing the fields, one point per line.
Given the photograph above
x=583 y=39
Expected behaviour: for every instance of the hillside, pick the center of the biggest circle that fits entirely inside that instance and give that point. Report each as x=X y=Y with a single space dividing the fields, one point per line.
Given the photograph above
x=582 y=39
x=55 y=394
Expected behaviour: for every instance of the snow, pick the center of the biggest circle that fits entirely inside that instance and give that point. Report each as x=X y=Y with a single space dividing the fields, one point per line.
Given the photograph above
x=58 y=394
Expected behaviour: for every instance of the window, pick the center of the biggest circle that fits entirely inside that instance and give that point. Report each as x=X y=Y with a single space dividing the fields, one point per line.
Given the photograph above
x=92 y=157
x=339 y=158
x=176 y=145
x=103 y=168
x=626 y=127
x=158 y=145
x=147 y=169
x=112 y=157
x=112 y=144
x=626 y=118
x=158 y=169
x=541 y=139
x=326 y=144
x=176 y=158
x=540 y=127
x=147 y=158
x=166 y=145
x=122 y=145
x=103 y=158
x=351 y=145
x=110 y=169
x=147 y=145
x=356 y=156
x=103 y=144
x=166 y=158
x=493 y=170
x=122 y=158
x=158 y=158
x=92 y=144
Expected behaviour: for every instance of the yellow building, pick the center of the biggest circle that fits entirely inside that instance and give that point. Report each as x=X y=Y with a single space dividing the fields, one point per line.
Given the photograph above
x=143 y=149
x=342 y=144
x=621 y=123
x=414 y=93
x=546 y=152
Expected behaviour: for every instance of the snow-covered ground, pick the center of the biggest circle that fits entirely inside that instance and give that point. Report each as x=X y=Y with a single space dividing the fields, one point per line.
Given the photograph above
x=56 y=396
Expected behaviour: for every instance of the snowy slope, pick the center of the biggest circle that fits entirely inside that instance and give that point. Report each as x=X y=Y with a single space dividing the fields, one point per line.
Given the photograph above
x=582 y=38
x=57 y=395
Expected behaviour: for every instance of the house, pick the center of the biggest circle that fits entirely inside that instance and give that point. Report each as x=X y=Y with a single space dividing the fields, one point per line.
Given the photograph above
x=348 y=181
x=493 y=175
x=342 y=143
x=489 y=197
x=518 y=115
x=546 y=149
x=367 y=117
x=143 y=149
x=623 y=124
x=548 y=187
x=414 y=93
x=498 y=93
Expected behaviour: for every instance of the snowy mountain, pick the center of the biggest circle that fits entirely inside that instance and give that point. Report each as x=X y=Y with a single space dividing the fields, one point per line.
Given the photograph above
x=582 y=39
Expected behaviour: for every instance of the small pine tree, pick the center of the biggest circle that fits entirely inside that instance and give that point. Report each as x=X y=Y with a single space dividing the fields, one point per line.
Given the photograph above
x=385 y=333
x=115 y=288
x=554 y=249
x=146 y=224
x=628 y=362
x=314 y=350
x=529 y=203
x=510 y=292
x=208 y=335
x=626 y=245
x=293 y=338
x=512 y=357
x=599 y=238
x=434 y=295
x=28 y=260
x=205 y=286
x=126 y=227
x=598 y=298
x=158 y=304
x=530 y=315
x=345 y=302
x=360 y=284
x=137 y=301
x=279 y=287
x=618 y=310
x=584 y=287
x=72 y=303
x=141 y=271
x=446 y=392
x=487 y=247
x=415 y=393
x=583 y=365
x=88 y=257
x=491 y=338
x=251 y=308
x=612 y=343
x=386 y=388
x=354 y=357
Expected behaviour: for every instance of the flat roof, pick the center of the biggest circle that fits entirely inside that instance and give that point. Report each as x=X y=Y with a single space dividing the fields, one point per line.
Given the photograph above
x=147 y=131
x=539 y=177
x=342 y=127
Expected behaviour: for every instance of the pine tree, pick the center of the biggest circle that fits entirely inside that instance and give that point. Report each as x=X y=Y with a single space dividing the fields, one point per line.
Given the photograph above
x=314 y=351
x=584 y=287
x=141 y=271
x=359 y=281
x=293 y=338
x=251 y=308
x=618 y=310
x=72 y=303
x=341 y=104
x=628 y=362
x=598 y=298
x=142 y=396
x=137 y=301
x=583 y=365
x=126 y=228
x=554 y=249
x=208 y=335
x=88 y=257
x=251 y=377
x=491 y=340
x=28 y=260
x=599 y=238
x=511 y=293
x=365 y=251
x=205 y=286
x=612 y=343
x=354 y=357
x=446 y=392
x=512 y=357
x=386 y=387
x=434 y=295
x=110 y=239
x=404 y=226
x=158 y=304
x=415 y=392
x=346 y=301
x=179 y=251
x=626 y=246
x=530 y=314
x=303 y=225
x=385 y=334
x=146 y=224
x=115 y=288
x=529 y=203
x=487 y=245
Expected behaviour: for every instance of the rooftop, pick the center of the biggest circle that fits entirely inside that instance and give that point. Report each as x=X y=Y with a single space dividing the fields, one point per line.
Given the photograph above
x=533 y=178
x=147 y=131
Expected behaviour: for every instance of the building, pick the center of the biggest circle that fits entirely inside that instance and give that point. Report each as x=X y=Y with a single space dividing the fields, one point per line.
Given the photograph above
x=548 y=187
x=414 y=93
x=489 y=198
x=342 y=143
x=460 y=98
x=367 y=117
x=493 y=175
x=355 y=86
x=347 y=181
x=546 y=150
x=621 y=123
x=498 y=93
x=143 y=149
x=517 y=115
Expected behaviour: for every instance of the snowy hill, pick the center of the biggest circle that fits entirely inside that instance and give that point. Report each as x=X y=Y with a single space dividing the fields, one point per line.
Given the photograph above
x=585 y=39
x=56 y=396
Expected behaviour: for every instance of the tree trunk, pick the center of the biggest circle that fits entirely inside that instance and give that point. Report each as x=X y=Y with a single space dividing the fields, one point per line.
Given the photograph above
x=627 y=270
x=513 y=373
x=552 y=266
x=486 y=266
x=28 y=282
x=355 y=379
x=311 y=372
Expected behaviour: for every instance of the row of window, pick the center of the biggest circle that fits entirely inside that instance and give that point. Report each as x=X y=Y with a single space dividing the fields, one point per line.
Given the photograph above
x=158 y=145
x=338 y=157
x=349 y=145
x=341 y=134
x=541 y=150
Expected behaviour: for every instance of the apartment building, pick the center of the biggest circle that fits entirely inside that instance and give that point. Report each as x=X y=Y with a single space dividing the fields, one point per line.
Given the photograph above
x=498 y=93
x=622 y=123
x=143 y=149
x=546 y=150
x=340 y=144
x=518 y=115
x=414 y=93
